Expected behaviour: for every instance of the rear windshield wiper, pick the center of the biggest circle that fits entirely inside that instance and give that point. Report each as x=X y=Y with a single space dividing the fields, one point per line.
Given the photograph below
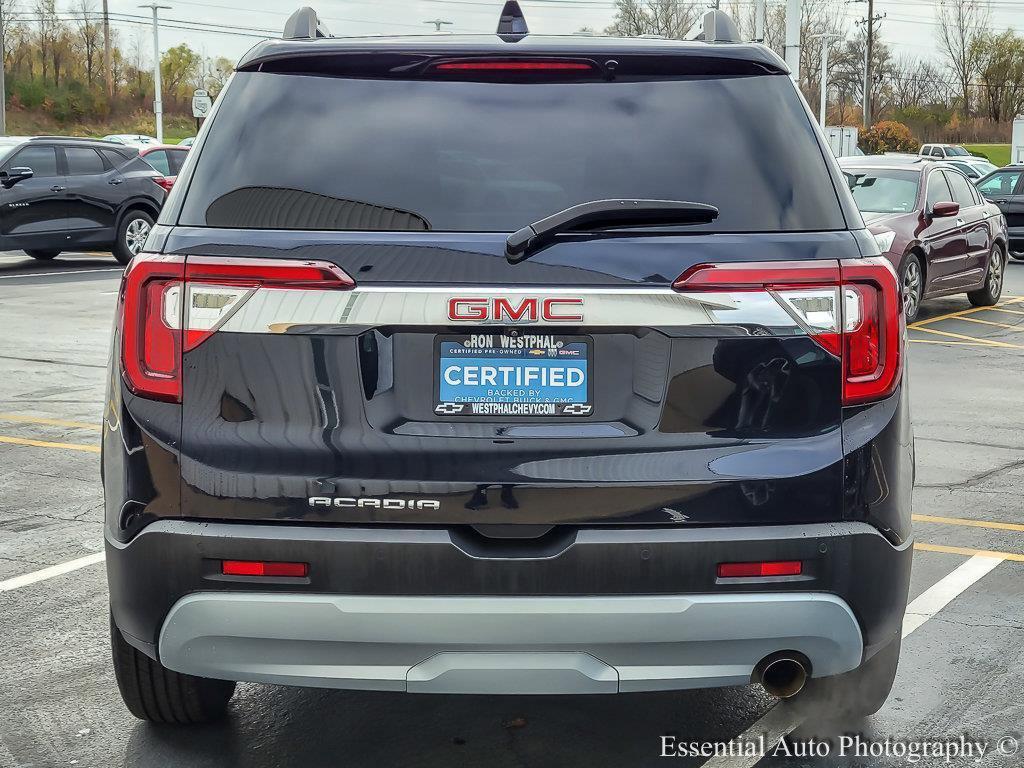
x=605 y=213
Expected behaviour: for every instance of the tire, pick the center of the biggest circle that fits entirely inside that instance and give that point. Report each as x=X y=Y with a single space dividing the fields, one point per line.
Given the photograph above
x=1017 y=255
x=157 y=694
x=854 y=695
x=911 y=285
x=43 y=255
x=988 y=295
x=131 y=234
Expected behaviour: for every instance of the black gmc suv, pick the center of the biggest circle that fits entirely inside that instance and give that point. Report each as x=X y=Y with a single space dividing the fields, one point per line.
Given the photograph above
x=508 y=364
x=59 y=193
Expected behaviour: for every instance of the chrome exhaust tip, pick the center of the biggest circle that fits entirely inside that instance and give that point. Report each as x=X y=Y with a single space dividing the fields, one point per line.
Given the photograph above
x=783 y=674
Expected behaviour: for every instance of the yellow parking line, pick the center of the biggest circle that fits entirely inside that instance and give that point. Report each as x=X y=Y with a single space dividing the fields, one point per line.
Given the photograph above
x=970 y=523
x=1015 y=556
x=960 y=313
x=48 y=444
x=52 y=422
x=1017 y=327
x=949 y=343
x=987 y=342
x=1004 y=309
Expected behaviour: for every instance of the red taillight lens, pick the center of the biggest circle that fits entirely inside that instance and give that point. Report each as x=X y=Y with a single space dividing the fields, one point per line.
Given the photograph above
x=162 y=296
x=757 y=570
x=851 y=308
x=164 y=182
x=150 y=318
x=263 y=568
x=513 y=65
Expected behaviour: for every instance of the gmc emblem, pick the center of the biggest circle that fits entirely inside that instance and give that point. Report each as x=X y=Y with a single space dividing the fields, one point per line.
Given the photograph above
x=527 y=310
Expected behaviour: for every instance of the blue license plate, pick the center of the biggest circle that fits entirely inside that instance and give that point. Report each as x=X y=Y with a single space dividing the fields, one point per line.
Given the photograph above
x=513 y=374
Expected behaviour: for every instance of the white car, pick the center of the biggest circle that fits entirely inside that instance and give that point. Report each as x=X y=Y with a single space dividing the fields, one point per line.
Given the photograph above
x=131 y=139
x=974 y=167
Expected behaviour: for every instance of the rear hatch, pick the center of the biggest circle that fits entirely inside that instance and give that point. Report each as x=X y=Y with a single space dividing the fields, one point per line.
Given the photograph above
x=359 y=348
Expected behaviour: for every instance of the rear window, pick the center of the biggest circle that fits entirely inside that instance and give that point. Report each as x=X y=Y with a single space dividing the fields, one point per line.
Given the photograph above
x=883 y=190
x=295 y=151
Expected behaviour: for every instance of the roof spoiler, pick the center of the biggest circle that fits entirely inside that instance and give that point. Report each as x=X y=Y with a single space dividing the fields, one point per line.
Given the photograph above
x=719 y=28
x=304 y=24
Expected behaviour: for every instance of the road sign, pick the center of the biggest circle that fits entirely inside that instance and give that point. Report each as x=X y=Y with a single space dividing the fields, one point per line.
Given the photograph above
x=201 y=103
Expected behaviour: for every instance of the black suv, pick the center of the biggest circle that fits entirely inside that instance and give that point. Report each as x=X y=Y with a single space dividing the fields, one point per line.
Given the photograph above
x=59 y=194
x=538 y=365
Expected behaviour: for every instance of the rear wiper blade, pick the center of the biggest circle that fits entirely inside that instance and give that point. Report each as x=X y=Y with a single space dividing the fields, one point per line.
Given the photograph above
x=605 y=213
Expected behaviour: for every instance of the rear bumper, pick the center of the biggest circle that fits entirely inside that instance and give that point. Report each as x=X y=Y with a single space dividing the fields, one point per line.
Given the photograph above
x=521 y=645
x=436 y=609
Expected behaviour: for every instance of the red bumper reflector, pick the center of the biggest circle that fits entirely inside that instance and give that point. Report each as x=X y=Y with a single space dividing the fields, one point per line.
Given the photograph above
x=753 y=570
x=261 y=568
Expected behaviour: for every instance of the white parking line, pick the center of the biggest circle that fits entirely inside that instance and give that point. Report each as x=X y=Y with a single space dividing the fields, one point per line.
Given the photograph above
x=49 y=573
x=67 y=272
x=780 y=720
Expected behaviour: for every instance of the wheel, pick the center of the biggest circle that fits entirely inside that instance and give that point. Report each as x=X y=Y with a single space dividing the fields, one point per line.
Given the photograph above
x=153 y=692
x=1017 y=255
x=131 y=235
x=43 y=255
x=989 y=293
x=912 y=282
x=856 y=694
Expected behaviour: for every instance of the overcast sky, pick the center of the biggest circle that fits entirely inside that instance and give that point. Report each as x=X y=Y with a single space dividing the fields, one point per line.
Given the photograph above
x=910 y=25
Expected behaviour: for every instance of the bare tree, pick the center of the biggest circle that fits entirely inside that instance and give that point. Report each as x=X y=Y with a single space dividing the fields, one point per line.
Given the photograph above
x=666 y=18
x=1001 y=72
x=91 y=34
x=962 y=25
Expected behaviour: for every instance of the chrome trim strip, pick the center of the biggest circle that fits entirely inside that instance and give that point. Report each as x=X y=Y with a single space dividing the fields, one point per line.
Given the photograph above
x=303 y=311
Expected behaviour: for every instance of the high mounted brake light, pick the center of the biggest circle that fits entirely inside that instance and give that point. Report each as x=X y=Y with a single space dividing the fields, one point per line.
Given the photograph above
x=851 y=308
x=163 y=296
x=521 y=65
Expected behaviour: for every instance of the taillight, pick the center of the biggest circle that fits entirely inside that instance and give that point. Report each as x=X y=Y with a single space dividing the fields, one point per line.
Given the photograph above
x=150 y=318
x=164 y=182
x=851 y=308
x=170 y=306
x=216 y=287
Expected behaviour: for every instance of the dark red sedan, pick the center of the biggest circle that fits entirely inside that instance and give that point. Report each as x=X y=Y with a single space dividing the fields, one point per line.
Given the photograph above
x=942 y=236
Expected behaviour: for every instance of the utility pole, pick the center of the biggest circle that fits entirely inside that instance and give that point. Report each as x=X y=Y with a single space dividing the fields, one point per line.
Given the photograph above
x=868 y=54
x=759 y=14
x=158 y=107
x=438 y=23
x=3 y=73
x=823 y=100
x=107 y=65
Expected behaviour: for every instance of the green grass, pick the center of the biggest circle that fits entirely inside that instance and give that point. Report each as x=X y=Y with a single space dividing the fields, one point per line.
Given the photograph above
x=999 y=154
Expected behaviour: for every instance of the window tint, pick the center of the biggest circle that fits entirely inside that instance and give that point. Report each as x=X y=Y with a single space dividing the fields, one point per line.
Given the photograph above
x=1000 y=184
x=386 y=154
x=937 y=152
x=938 y=190
x=115 y=159
x=176 y=158
x=42 y=161
x=158 y=159
x=957 y=152
x=961 y=189
x=83 y=161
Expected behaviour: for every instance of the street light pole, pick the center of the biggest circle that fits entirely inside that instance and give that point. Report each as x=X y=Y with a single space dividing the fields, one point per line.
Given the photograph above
x=158 y=107
x=823 y=100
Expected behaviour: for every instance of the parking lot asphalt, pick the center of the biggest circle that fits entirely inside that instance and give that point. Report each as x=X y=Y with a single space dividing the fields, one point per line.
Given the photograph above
x=963 y=653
